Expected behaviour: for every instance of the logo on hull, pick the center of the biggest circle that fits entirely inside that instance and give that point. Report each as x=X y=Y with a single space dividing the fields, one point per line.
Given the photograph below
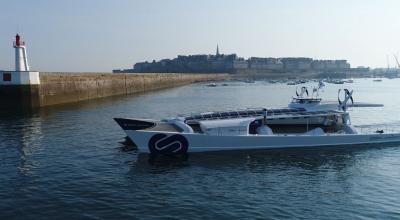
x=163 y=144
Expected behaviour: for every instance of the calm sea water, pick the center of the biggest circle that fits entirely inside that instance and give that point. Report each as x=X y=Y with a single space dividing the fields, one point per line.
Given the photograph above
x=73 y=162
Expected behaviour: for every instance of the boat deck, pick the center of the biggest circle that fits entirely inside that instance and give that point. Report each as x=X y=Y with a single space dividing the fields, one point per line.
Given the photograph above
x=161 y=126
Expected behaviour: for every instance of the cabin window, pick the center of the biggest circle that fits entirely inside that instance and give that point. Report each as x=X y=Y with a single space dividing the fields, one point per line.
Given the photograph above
x=6 y=77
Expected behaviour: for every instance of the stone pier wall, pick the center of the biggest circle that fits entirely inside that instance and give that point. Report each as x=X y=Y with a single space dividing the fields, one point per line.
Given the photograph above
x=57 y=88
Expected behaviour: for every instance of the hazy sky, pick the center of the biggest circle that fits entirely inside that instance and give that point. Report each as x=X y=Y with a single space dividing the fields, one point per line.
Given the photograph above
x=101 y=35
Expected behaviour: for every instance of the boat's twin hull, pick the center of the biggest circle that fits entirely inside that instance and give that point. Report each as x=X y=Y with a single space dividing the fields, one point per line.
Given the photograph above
x=172 y=142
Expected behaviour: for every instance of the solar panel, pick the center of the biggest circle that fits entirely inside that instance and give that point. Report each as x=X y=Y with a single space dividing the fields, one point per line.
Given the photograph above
x=250 y=113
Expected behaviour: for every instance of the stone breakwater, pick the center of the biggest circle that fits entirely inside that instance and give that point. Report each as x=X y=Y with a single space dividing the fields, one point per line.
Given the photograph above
x=58 y=88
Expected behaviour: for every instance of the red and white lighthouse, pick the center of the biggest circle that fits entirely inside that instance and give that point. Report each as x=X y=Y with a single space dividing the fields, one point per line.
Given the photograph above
x=21 y=75
x=21 y=60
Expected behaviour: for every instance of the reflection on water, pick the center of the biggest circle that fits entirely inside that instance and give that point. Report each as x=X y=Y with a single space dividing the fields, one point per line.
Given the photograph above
x=127 y=145
x=22 y=139
x=73 y=161
x=31 y=135
x=336 y=158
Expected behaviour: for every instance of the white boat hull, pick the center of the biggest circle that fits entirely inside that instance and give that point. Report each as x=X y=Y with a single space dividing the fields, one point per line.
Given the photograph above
x=173 y=142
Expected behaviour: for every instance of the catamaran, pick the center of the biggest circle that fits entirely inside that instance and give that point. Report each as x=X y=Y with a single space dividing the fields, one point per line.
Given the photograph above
x=306 y=122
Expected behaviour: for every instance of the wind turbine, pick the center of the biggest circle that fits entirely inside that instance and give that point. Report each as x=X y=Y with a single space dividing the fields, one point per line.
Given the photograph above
x=397 y=60
x=398 y=64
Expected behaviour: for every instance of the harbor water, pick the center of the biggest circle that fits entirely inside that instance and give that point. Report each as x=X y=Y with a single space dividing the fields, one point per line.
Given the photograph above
x=73 y=161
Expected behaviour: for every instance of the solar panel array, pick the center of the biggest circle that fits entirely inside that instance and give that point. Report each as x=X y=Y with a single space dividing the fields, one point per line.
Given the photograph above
x=254 y=113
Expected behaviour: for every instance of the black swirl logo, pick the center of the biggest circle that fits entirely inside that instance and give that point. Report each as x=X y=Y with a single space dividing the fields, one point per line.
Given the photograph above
x=164 y=144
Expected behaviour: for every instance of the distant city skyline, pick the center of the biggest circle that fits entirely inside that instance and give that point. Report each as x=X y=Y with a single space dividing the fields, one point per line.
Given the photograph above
x=101 y=35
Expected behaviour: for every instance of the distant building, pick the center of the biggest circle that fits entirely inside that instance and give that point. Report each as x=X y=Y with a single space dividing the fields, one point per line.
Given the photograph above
x=265 y=63
x=296 y=63
x=231 y=63
x=342 y=64
x=318 y=65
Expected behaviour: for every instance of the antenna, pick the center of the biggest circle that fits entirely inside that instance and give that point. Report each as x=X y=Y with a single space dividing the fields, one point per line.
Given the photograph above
x=388 y=64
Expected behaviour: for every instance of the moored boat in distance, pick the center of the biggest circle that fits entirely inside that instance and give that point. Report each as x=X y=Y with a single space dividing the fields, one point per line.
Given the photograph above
x=211 y=85
x=335 y=81
x=349 y=81
x=306 y=122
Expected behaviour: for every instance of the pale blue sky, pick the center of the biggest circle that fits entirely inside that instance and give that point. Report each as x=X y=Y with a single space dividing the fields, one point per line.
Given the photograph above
x=101 y=35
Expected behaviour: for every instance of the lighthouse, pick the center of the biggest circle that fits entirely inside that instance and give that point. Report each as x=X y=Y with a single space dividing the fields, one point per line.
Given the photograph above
x=22 y=75
x=21 y=60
